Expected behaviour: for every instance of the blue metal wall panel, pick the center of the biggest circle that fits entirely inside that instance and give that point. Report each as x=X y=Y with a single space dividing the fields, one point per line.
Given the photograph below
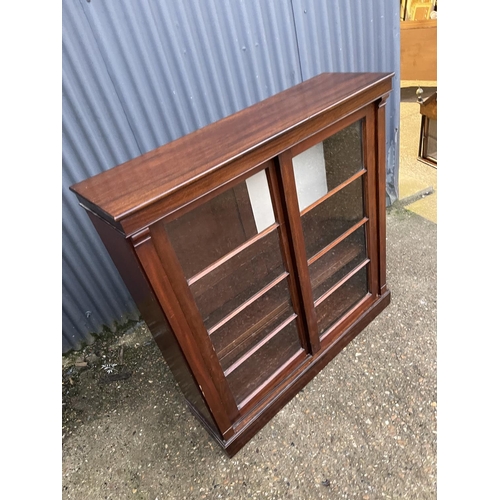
x=178 y=66
x=139 y=74
x=135 y=76
x=354 y=35
x=96 y=136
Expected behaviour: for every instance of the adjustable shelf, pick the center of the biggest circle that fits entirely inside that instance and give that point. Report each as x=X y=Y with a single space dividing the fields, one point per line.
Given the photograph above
x=255 y=247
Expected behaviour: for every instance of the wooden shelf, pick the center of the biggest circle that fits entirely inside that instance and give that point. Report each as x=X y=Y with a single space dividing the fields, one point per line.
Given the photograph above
x=265 y=363
x=330 y=219
x=251 y=325
x=233 y=282
x=260 y=314
x=336 y=305
x=253 y=343
x=259 y=317
x=331 y=267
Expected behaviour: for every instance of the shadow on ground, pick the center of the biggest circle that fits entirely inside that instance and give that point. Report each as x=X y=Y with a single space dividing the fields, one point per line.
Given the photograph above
x=364 y=428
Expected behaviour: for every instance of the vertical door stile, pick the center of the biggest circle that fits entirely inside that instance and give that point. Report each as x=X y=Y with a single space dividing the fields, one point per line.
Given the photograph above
x=381 y=176
x=370 y=199
x=175 y=276
x=287 y=181
x=286 y=251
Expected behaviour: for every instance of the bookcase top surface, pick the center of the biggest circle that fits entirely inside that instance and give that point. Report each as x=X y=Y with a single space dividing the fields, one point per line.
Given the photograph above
x=140 y=182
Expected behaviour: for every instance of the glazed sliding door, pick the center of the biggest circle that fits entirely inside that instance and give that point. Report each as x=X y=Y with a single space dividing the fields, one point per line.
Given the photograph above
x=231 y=252
x=332 y=174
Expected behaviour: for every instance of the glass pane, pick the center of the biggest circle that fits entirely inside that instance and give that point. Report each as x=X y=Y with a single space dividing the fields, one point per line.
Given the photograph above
x=255 y=320
x=254 y=371
x=233 y=282
x=432 y=139
x=213 y=229
x=337 y=262
x=343 y=299
x=331 y=218
x=327 y=164
x=237 y=350
x=433 y=128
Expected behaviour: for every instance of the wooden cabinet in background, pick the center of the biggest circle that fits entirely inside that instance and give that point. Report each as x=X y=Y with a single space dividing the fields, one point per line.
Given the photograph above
x=419 y=50
x=255 y=247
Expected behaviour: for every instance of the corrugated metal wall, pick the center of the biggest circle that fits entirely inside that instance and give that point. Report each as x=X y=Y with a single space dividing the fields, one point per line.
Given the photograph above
x=354 y=35
x=139 y=74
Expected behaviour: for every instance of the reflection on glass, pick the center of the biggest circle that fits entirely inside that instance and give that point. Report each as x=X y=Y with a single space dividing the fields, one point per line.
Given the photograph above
x=229 y=249
x=337 y=262
x=237 y=279
x=324 y=166
x=330 y=310
x=234 y=351
x=331 y=218
x=260 y=199
x=432 y=139
x=256 y=319
x=218 y=226
x=262 y=364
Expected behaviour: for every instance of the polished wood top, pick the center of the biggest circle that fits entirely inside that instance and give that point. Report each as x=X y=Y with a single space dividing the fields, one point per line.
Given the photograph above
x=142 y=181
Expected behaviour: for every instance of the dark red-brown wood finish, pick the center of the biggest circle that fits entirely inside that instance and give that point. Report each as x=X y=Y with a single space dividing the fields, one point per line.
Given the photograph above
x=255 y=247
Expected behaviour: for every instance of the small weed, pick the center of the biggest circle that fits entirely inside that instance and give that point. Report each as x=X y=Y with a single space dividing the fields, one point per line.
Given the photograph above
x=109 y=368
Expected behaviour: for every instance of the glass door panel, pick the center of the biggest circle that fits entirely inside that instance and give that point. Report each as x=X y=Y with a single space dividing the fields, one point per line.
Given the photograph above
x=330 y=180
x=331 y=267
x=230 y=251
x=252 y=322
x=235 y=280
x=272 y=357
x=328 y=164
x=325 y=222
x=341 y=300
x=212 y=230
x=432 y=140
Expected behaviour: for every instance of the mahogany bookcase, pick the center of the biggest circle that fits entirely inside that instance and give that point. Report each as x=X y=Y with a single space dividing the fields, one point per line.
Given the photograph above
x=255 y=247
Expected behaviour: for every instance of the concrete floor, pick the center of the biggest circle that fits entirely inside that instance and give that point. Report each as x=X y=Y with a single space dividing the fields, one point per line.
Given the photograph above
x=364 y=428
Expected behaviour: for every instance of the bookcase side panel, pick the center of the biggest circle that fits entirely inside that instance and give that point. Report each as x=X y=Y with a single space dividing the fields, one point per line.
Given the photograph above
x=122 y=253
